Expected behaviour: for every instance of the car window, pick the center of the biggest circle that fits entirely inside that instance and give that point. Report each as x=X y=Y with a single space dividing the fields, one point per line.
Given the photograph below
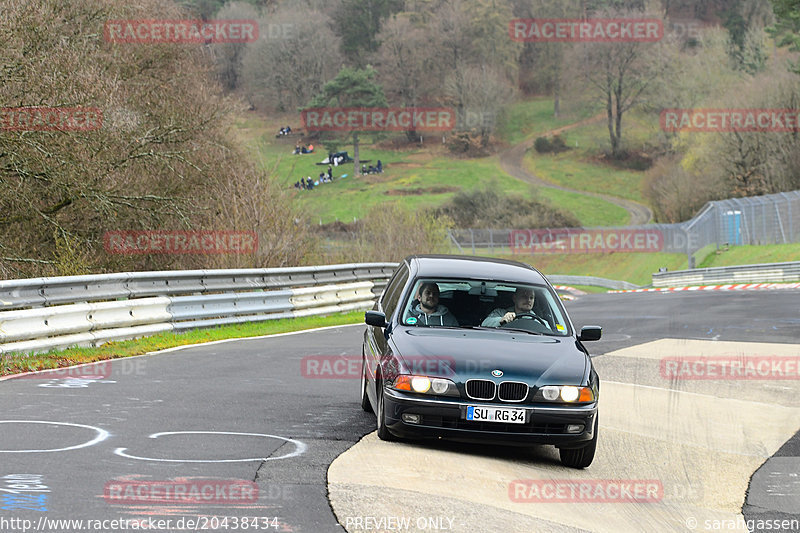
x=394 y=290
x=469 y=303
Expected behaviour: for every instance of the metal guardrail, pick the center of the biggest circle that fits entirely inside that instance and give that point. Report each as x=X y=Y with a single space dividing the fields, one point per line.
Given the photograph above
x=558 y=279
x=54 y=313
x=770 y=272
x=34 y=292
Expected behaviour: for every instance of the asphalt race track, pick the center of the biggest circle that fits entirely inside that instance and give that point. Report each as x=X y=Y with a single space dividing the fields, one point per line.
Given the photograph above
x=246 y=435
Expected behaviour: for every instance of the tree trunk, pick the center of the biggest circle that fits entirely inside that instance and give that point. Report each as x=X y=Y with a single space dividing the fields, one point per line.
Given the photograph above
x=610 y=113
x=357 y=168
x=618 y=132
x=556 y=95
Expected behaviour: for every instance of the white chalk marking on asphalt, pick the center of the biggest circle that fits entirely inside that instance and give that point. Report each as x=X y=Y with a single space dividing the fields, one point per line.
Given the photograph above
x=260 y=337
x=102 y=435
x=300 y=448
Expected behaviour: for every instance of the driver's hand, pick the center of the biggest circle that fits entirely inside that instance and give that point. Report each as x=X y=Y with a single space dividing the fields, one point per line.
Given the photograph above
x=508 y=317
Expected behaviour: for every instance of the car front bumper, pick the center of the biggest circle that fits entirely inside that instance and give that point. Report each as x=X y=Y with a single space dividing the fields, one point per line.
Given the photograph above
x=445 y=418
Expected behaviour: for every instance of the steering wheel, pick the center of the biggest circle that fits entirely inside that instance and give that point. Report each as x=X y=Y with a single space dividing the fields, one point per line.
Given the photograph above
x=528 y=315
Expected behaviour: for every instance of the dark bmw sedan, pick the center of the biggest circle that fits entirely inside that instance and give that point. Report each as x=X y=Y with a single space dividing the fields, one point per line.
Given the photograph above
x=479 y=350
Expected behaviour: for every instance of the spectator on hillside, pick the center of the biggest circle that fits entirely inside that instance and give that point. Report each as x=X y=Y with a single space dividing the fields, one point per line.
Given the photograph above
x=309 y=183
x=330 y=173
x=380 y=166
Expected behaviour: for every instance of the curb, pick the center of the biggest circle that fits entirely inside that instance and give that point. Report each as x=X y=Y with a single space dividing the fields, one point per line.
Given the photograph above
x=730 y=287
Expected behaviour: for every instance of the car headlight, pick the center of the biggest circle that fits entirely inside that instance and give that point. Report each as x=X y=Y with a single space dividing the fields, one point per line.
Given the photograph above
x=426 y=385
x=565 y=393
x=420 y=384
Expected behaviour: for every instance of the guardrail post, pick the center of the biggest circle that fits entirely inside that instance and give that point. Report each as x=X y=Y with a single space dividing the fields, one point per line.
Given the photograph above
x=472 y=237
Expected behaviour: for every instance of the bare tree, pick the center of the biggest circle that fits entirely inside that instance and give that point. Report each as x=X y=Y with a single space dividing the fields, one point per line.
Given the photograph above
x=620 y=74
x=284 y=73
x=479 y=93
x=404 y=63
x=229 y=55
x=160 y=158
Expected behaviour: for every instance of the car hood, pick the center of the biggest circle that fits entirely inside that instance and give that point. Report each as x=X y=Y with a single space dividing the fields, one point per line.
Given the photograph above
x=535 y=359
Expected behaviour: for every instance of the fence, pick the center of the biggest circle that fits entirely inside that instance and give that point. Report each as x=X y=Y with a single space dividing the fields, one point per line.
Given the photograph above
x=769 y=219
x=52 y=313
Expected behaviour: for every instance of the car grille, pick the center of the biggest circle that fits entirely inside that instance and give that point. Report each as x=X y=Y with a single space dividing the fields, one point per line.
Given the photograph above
x=481 y=389
x=484 y=389
x=513 y=391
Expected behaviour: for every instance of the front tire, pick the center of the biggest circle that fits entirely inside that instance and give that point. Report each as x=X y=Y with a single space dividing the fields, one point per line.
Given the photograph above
x=383 y=431
x=580 y=457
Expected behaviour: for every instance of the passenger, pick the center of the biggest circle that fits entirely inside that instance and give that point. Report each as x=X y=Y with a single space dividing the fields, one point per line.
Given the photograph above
x=428 y=312
x=523 y=303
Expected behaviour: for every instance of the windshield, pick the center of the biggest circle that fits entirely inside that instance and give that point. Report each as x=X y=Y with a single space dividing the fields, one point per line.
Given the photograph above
x=477 y=303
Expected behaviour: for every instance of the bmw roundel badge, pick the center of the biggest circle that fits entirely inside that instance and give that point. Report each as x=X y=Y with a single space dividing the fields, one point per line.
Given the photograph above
x=497 y=373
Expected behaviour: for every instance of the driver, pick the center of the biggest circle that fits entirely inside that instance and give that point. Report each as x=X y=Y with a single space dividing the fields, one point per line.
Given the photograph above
x=523 y=303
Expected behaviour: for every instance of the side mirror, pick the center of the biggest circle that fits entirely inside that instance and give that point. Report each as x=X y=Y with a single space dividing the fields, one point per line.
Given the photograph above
x=375 y=318
x=590 y=333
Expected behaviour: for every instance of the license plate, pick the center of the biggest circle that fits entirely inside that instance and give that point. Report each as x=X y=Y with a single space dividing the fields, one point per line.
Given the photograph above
x=496 y=414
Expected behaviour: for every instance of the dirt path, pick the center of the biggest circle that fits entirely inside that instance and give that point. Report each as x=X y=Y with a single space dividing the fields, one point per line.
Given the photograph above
x=512 y=163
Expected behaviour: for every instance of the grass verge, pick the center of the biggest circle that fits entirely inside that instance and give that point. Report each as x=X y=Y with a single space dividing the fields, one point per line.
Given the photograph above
x=589 y=211
x=752 y=255
x=633 y=267
x=17 y=363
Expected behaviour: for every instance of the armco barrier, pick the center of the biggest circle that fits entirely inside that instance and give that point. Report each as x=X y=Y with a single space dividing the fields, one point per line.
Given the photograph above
x=54 y=313
x=771 y=272
x=591 y=281
x=16 y=294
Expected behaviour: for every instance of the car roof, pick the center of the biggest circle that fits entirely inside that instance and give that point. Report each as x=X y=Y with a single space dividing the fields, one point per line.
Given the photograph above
x=472 y=267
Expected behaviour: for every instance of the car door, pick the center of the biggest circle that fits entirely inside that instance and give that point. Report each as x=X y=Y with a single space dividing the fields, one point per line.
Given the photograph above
x=376 y=338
